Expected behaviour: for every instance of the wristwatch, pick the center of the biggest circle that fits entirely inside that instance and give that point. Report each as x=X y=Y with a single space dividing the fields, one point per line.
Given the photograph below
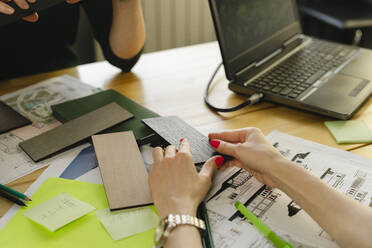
x=170 y=222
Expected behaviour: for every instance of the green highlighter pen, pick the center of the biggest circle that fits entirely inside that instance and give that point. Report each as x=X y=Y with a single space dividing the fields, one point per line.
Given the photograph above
x=265 y=230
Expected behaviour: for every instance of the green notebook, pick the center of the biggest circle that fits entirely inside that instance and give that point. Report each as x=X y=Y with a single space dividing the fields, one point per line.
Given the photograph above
x=70 y=110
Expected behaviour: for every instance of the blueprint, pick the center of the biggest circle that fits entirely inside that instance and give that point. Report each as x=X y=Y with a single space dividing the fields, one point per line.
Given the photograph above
x=34 y=102
x=349 y=173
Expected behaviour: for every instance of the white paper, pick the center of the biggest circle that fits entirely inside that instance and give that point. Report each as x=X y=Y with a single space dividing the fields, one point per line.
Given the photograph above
x=35 y=103
x=347 y=172
x=146 y=152
x=57 y=165
x=92 y=176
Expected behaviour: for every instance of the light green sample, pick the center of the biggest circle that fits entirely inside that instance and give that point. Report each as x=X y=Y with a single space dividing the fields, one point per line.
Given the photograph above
x=125 y=223
x=86 y=231
x=58 y=211
x=350 y=132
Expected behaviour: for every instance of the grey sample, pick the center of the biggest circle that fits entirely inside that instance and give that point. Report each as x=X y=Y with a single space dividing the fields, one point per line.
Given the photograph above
x=79 y=129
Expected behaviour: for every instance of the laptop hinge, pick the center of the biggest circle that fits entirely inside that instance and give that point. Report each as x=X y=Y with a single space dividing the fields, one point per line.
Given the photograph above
x=252 y=69
x=293 y=42
x=245 y=70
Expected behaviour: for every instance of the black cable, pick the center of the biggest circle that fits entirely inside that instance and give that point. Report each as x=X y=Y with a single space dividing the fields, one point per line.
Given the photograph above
x=251 y=100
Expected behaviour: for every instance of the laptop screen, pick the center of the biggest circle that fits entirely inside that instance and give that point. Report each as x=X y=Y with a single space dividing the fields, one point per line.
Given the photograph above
x=247 y=23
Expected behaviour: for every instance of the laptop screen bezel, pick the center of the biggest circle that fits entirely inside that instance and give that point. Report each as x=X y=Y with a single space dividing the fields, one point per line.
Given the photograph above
x=258 y=52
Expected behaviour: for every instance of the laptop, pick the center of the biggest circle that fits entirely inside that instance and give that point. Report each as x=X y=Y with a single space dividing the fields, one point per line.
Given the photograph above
x=264 y=50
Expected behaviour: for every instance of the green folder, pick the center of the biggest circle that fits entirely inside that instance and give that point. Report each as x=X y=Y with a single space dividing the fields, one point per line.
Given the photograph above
x=70 y=110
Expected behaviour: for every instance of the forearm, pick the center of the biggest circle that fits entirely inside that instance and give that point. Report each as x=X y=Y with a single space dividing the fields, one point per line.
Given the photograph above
x=127 y=34
x=346 y=220
x=184 y=236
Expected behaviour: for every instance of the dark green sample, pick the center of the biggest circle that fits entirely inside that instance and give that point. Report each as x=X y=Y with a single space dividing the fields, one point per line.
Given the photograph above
x=73 y=109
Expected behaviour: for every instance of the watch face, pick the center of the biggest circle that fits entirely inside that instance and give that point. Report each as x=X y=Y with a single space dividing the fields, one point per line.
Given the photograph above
x=159 y=232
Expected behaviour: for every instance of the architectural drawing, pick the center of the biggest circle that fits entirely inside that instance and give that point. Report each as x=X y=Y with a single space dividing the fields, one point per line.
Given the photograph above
x=237 y=180
x=346 y=172
x=35 y=103
x=9 y=144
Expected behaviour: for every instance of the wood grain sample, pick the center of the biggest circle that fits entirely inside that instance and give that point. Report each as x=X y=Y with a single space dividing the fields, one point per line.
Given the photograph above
x=123 y=170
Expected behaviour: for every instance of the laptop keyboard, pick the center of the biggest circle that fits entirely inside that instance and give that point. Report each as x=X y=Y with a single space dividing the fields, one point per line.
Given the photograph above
x=296 y=74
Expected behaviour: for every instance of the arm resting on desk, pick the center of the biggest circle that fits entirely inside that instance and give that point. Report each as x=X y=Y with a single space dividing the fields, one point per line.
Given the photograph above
x=346 y=220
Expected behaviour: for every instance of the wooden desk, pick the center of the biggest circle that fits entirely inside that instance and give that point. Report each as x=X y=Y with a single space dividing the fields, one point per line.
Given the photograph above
x=172 y=83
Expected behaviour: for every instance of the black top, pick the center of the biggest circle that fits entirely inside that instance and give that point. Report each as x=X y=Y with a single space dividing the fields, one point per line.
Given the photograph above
x=29 y=48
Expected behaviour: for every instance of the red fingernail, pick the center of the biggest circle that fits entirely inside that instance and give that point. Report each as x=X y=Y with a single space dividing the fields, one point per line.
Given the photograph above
x=219 y=161
x=214 y=143
x=181 y=140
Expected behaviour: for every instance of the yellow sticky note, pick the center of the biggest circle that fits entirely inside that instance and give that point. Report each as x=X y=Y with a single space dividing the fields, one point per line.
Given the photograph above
x=83 y=232
x=125 y=223
x=58 y=211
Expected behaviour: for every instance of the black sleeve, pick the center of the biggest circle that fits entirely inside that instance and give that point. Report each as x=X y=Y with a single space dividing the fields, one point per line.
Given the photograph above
x=99 y=13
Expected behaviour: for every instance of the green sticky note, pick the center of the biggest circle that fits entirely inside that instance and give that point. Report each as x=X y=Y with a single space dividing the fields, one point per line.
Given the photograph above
x=86 y=231
x=125 y=223
x=58 y=211
x=350 y=132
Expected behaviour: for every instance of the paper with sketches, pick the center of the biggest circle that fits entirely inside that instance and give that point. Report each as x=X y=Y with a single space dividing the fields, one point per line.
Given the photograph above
x=58 y=211
x=347 y=172
x=125 y=223
x=57 y=165
x=34 y=102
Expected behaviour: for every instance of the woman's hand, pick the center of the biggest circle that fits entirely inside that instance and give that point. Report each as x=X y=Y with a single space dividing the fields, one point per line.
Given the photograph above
x=176 y=186
x=251 y=150
x=23 y=4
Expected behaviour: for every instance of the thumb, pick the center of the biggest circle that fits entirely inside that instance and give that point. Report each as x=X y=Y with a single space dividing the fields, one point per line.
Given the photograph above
x=210 y=166
x=223 y=147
